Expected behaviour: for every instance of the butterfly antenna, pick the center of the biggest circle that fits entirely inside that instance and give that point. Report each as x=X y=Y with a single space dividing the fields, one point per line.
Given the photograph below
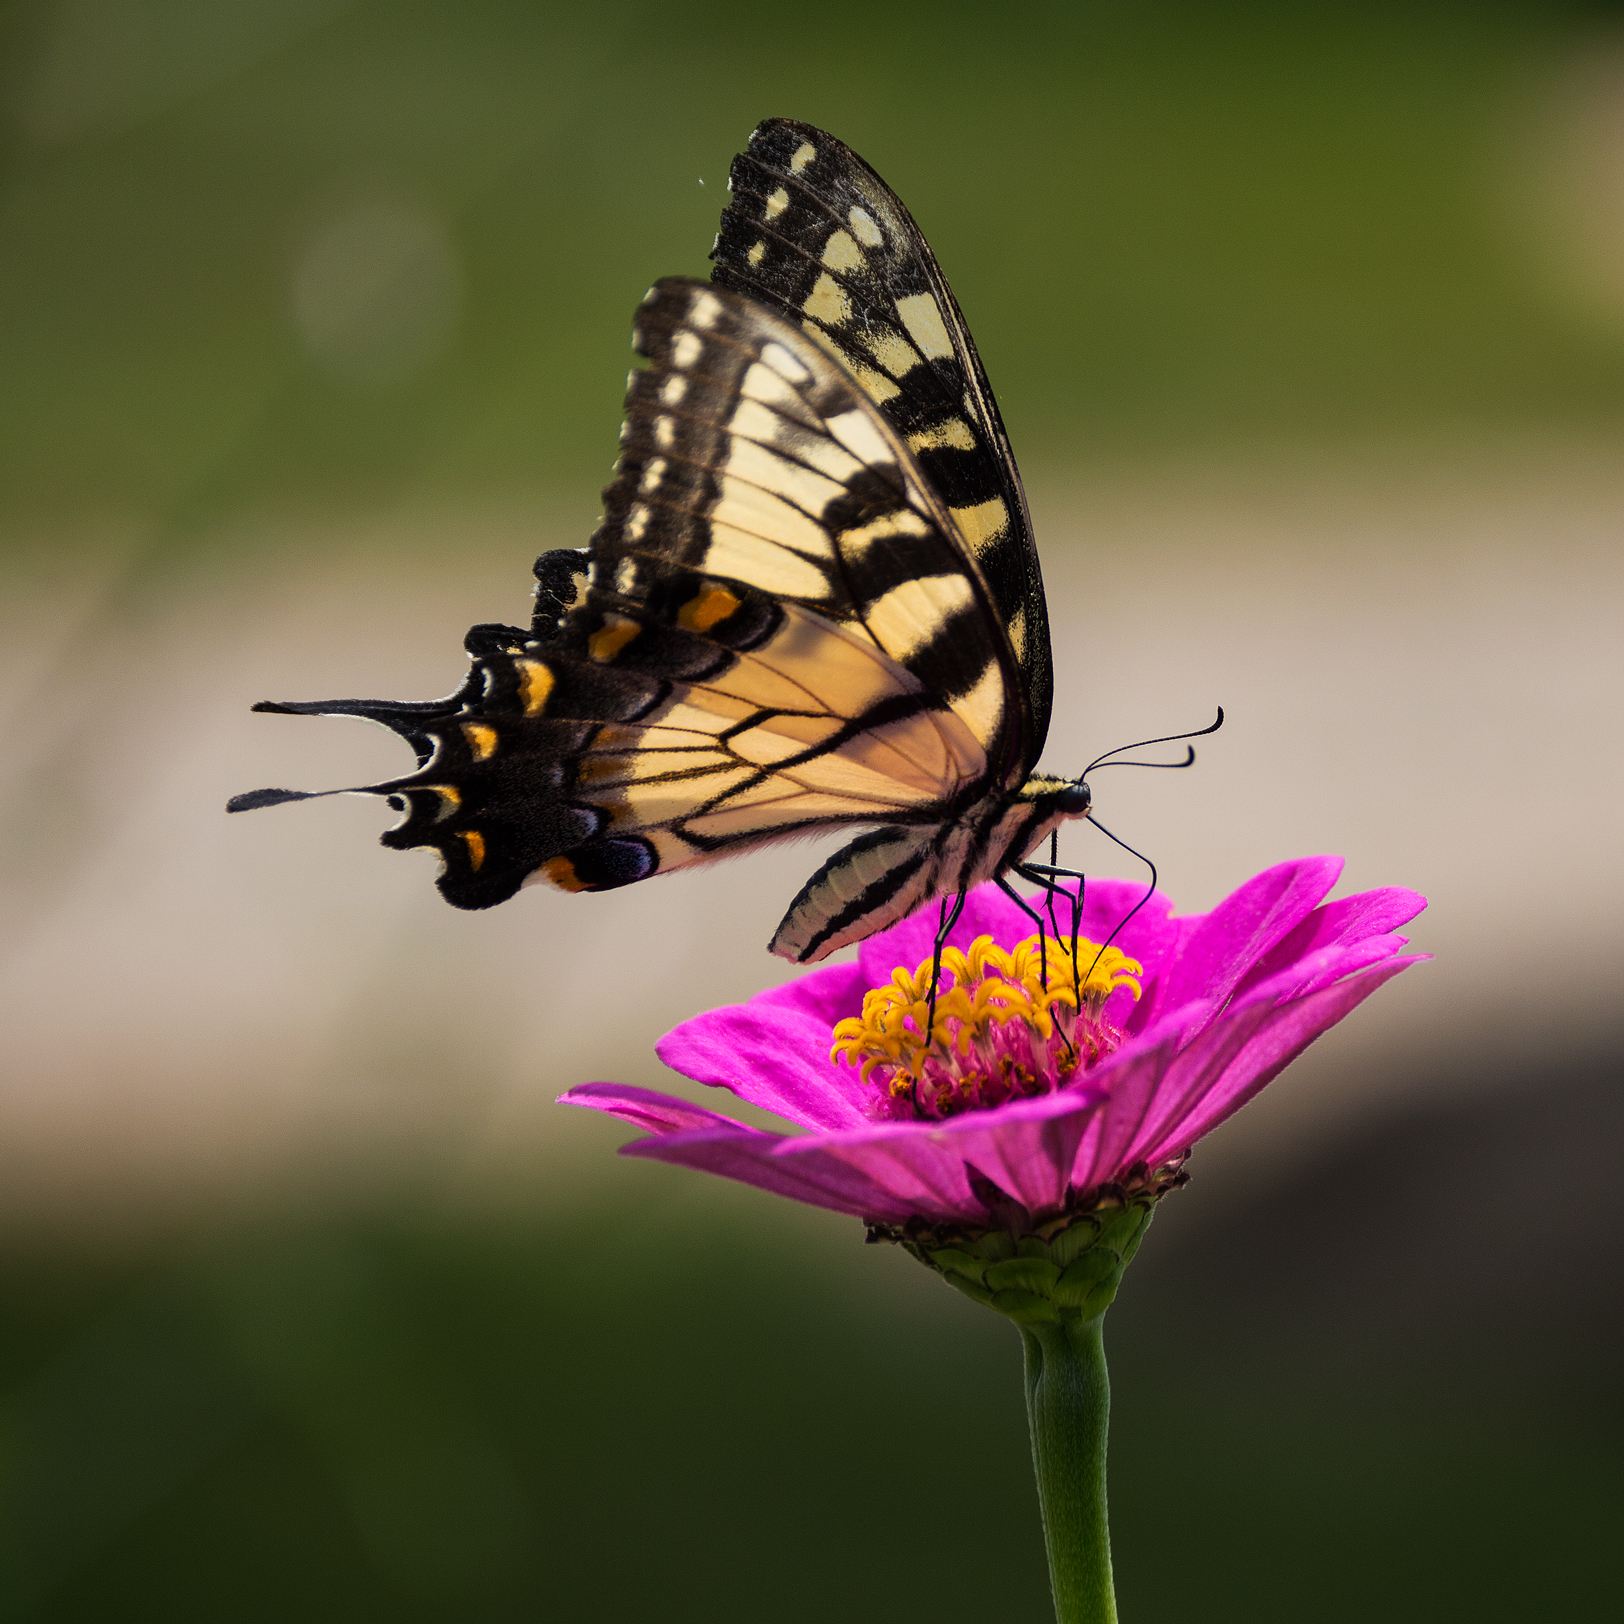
x=1171 y=766
x=1143 y=744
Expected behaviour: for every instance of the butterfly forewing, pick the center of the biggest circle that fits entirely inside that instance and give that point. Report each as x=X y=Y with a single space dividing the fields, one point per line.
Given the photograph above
x=772 y=633
x=747 y=454
x=812 y=231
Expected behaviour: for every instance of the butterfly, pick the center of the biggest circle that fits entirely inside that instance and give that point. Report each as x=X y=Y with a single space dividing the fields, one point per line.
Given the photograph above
x=813 y=600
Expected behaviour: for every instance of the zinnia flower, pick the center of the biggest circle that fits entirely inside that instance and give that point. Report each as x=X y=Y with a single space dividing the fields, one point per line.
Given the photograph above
x=1014 y=1120
x=1023 y=1107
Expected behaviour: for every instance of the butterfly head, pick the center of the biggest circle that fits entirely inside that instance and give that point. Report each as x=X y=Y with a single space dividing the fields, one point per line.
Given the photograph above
x=1057 y=798
x=1075 y=800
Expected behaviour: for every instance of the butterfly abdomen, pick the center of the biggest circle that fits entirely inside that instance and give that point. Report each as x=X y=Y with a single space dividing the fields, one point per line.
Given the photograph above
x=885 y=876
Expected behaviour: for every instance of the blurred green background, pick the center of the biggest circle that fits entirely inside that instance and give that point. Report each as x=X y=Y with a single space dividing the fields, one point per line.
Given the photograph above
x=1176 y=224
x=284 y=283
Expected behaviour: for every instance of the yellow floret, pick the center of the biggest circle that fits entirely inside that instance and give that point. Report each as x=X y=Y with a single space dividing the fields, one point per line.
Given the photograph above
x=978 y=989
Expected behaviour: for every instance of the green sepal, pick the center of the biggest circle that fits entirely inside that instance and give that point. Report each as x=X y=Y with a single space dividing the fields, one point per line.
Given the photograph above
x=973 y=1289
x=1084 y=1273
x=952 y=1259
x=1067 y=1271
x=1029 y=1273
x=1024 y=1307
x=994 y=1245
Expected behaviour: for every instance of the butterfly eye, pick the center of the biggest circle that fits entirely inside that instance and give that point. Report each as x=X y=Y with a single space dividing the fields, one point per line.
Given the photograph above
x=1076 y=799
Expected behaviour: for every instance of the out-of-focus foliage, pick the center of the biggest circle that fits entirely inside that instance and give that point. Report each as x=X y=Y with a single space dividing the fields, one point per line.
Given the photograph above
x=254 y=251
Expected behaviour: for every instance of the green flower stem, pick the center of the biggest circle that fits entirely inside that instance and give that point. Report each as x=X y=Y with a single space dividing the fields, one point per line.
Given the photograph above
x=1056 y=1283
x=1068 y=1407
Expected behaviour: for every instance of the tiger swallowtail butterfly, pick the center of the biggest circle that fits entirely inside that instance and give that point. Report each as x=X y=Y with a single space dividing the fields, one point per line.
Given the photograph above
x=813 y=600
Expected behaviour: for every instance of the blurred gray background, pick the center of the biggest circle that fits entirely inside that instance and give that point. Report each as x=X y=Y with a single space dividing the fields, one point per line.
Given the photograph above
x=1308 y=326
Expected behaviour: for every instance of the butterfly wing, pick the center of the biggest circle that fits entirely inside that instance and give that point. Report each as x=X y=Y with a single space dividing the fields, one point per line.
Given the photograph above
x=813 y=232
x=774 y=631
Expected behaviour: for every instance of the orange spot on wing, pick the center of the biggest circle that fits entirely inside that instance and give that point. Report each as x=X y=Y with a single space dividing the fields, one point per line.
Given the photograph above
x=712 y=606
x=617 y=631
x=596 y=769
x=535 y=684
x=560 y=871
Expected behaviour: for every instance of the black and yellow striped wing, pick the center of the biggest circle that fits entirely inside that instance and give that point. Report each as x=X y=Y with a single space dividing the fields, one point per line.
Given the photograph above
x=812 y=600
x=775 y=630
x=813 y=232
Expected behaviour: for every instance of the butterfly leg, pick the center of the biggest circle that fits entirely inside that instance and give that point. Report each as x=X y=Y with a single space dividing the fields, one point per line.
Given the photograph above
x=1036 y=918
x=1043 y=941
x=947 y=920
x=1054 y=858
x=1076 y=916
x=1048 y=875
x=1037 y=871
x=1047 y=881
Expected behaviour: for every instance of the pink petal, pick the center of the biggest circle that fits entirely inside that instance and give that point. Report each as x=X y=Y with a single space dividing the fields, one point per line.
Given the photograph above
x=1270 y=1046
x=1026 y=1148
x=1191 y=1075
x=889 y=1172
x=1348 y=919
x=1203 y=1063
x=1225 y=944
x=748 y=1156
x=840 y=1172
x=828 y=994
x=643 y=1108
x=902 y=1159
x=1149 y=1010
x=1321 y=969
x=773 y=1057
x=1131 y=1079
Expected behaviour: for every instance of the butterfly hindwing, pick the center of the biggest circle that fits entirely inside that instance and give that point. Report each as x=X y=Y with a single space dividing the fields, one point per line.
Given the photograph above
x=771 y=632
x=812 y=231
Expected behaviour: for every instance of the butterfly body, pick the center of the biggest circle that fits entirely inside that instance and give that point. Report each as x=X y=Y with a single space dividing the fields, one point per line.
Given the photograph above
x=812 y=602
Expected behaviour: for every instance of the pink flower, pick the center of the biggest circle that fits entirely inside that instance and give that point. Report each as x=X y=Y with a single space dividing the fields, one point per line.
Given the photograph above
x=1021 y=1098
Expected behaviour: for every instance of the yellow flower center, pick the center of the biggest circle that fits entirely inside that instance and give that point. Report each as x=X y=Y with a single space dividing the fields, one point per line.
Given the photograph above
x=1006 y=1025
